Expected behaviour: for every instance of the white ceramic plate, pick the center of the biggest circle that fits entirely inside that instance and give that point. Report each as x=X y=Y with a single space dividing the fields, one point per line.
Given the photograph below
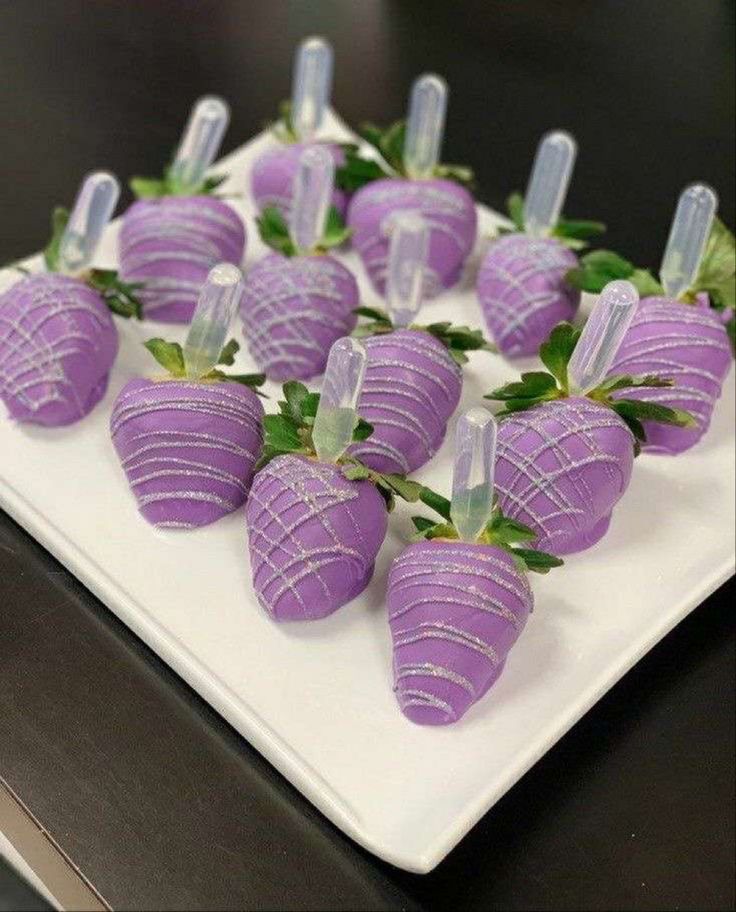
x=316 y=699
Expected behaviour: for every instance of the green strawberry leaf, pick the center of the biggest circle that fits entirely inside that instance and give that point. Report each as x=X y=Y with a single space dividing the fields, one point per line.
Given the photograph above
x=597 y=269
x=356 y=172
x=501 y=531
x=310 y=404
x=171 y=185
x=374 y=313
x=281 y=433
x=642 y=410
x=459 y=339
x=59 y=221
x=148 y=187
x=335 y=233
x=229 y=350
x=392 y=145
x=294 y=395
x=459 y=174
x=578 y=229
x=515 y=207
x=533 y=385
x=363 y=430
x=251 y=380
x=283 y=127
x=627 y=381
x=731 y=330
x=119 y=296
x=557 y=351
x=645 y=283
x=506 y=531
x=168 y=354
x=274 y=231
x=435 y=502
x=536 y=561
x=717 y=272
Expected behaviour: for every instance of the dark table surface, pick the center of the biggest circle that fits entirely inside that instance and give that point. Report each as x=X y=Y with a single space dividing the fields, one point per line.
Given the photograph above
x=151 y=796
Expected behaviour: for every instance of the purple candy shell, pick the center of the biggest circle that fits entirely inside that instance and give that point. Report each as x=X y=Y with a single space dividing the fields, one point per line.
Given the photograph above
x=411 y=388
x=522 y=291
x=188 y=448
x=293 y=309
x=58 y=342
x=455 y=610
x=313 y=537
x=446 y=206
x=170 y=244
x=560 y=468
x=686 y=344
x=273 y=176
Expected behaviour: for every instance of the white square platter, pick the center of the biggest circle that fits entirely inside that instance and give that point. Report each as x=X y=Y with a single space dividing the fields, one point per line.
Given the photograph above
x=316 y=699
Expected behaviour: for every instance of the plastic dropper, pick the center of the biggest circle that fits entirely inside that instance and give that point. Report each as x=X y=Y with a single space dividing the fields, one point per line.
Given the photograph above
x=602 y=336
x=334 y=422
x=311 y=85
x=472 y=480
x=201 y=140
x=218 y=301
x=425 y=126
x=93 y=208
x=548 y=182
x=312 y=194
x=407 y=259
x=696 y=209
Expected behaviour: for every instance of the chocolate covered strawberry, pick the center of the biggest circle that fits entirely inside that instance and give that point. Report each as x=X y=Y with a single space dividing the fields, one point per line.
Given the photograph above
x=274 y=172
x=413 y=377
x=316 y=518
x=188 y=441
x=407 y=177
x=58 y=340
x=682 y=326
x=458 y=599
x=178 y=230
x=299 y=300
x=522 y=287
x=566 y=442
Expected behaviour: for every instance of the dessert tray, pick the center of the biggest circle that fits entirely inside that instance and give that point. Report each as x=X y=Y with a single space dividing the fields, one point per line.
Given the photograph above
x=315 y=698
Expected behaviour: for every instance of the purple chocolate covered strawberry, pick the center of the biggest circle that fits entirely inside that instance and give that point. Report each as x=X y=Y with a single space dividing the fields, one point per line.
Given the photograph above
x=682 y=327
x=275 y=171
x=299 y=300
x=188 y=441
x=566 y=442
x=459 y=598
x=411 y=389
x=188 y=447
x=58 y=340
x=177 y=231
x=317 y=518
x=522 y=287
x=408 y=178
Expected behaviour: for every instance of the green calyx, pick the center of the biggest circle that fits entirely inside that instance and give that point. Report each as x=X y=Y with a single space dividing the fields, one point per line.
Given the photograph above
x=171 y=185
x=573 y=233
x=457 y=339
x=283 y=127
x=170 y=356
x=501 y=531
x=389 y=143
x=290 y=432
x=716 y=276
x=274 y=232
x=119 y=296
x=537 y=387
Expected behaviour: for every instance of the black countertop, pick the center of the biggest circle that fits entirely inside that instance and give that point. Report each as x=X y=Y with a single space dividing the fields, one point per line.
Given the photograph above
x=151 y=796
